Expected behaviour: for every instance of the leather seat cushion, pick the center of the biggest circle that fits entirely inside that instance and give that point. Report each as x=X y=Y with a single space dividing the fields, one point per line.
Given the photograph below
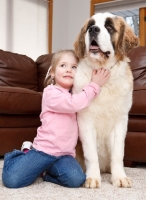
x=15 y=100
x=137 y=123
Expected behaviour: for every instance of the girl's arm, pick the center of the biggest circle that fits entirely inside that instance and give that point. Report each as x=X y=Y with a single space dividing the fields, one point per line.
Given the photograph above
x=58 y=101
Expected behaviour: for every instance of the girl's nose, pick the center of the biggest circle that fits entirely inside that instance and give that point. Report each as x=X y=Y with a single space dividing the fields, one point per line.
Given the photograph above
x=68 y=69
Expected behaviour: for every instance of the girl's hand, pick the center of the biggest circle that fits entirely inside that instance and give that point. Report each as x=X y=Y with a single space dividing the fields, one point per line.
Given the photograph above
x=100 y=76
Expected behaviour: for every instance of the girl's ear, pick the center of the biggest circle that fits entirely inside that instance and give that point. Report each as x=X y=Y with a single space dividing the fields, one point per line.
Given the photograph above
x=52 y=74
x=48 y=78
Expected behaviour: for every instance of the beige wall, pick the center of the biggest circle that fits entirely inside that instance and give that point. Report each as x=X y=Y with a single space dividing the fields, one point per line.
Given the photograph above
x=24 y=27
x=68 y=18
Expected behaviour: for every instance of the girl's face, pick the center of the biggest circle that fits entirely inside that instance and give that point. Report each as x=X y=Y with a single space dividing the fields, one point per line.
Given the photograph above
x=65 y=71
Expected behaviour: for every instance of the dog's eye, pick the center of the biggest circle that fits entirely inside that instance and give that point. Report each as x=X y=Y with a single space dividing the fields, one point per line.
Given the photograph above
x=90 y=23
x=109 y=28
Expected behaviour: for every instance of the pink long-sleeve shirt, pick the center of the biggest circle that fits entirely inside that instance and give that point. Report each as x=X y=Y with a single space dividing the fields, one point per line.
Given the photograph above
x=58 y=133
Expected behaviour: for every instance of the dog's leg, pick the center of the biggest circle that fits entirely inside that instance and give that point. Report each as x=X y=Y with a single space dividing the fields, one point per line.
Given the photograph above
x=88 y=139
x=119 y=177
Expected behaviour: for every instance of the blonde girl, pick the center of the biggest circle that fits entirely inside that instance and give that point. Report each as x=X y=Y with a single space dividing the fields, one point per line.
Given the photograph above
x=53 y=148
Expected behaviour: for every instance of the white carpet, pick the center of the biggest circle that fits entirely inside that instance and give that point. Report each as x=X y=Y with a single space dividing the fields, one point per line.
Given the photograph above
x=47 y=191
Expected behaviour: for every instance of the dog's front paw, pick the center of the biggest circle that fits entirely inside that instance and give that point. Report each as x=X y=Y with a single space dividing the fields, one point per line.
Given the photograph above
x=92 y=183
x=125 y=182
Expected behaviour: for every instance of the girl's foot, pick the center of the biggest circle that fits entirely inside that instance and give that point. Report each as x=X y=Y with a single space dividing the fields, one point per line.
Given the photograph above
x=26 y=146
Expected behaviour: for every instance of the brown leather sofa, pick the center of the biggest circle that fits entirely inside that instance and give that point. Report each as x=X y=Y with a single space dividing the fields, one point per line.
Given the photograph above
x=21 y=86
x=135 y=146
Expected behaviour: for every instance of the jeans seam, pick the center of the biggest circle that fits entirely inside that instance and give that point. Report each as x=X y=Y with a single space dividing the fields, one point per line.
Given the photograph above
x=57 y=169
x=53 y=163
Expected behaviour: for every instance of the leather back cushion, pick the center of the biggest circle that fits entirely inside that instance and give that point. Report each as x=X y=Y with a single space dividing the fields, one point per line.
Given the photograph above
x=18 y=71
x=43 y=63
x=138 y=65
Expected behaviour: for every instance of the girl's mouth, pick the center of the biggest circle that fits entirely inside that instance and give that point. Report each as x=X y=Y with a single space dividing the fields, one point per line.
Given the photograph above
x=68 y=77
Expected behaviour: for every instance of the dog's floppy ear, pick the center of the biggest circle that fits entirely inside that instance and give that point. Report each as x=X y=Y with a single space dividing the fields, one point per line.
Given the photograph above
x=127 y=39
x=79 y=45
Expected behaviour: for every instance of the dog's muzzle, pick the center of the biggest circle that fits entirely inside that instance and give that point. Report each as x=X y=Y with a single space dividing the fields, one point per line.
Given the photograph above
x=93 y=35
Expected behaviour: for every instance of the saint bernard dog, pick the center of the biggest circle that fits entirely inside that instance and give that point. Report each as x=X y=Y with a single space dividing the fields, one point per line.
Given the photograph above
x=104 y=42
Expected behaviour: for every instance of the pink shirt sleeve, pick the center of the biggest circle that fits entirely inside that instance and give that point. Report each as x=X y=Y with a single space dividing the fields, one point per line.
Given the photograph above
x=59 y=101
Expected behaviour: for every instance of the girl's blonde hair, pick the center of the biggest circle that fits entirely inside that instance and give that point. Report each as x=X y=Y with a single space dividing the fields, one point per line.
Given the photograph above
x=55 y=60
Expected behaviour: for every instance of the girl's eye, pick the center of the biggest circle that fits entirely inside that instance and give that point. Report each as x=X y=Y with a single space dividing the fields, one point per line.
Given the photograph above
x=63 y=65
x=74 y=67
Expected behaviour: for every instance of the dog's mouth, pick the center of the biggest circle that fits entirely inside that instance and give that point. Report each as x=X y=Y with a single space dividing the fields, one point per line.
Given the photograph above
x=94 y=48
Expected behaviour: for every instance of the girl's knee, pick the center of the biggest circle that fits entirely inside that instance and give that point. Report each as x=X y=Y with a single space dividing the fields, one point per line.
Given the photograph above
x=76 y=179
x=10 y=181
x=72 y=173
x=78 y=182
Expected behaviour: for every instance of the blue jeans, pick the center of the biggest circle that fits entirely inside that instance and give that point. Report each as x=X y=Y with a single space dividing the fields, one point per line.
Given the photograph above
x=22 y=169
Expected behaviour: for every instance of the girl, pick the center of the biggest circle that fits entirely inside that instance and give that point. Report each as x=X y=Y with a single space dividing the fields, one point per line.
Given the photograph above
x=53 y=149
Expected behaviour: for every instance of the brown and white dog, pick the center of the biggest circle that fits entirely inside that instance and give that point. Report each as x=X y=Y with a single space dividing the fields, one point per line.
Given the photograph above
x=104 y=42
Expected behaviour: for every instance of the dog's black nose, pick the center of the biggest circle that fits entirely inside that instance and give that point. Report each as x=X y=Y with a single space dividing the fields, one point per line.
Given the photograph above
x=94 y=29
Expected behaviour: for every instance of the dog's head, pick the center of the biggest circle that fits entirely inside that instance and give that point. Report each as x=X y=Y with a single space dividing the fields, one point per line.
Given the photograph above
x=103 y=36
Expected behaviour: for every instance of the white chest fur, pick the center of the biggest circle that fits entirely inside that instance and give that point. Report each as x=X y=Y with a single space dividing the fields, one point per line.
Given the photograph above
x=115 y=98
